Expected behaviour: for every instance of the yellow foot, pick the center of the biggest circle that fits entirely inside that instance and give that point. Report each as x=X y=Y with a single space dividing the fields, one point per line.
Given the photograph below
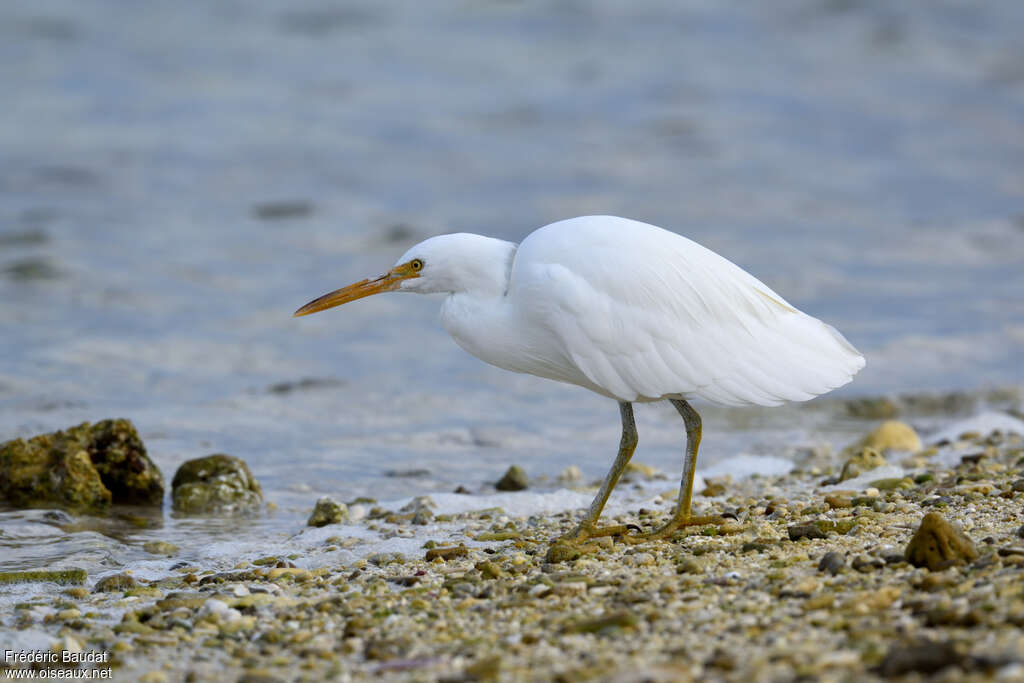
x=669 y=530
x=585 y=532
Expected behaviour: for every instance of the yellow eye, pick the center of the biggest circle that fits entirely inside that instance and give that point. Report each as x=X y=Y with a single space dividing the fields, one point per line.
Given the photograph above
x=416 y=264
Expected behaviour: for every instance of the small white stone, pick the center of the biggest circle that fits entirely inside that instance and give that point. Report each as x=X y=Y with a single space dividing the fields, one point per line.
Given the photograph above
x=571 y=588
x=570 y=474
x=640 y=559
x=540 y=590
x=70 y=644
x=220 y=610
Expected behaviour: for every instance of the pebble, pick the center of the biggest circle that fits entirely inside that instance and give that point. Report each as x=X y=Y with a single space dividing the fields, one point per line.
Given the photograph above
x=891 y=435
x=800 y=531
x=937 y=544
x=357 y=512
x=639 y=560
x=446 y=553
x=514 y=479
x=690 y=565
x=115 y=582
x=562 y=552
x=160 y=548
x=239 y=590
x=611 y=608
x=864 y=459
x=839 y=501
x=327 y=511
x=832 y=562
x=219 y=610
x=154 y=677
x=570 y=475
x=922 y=657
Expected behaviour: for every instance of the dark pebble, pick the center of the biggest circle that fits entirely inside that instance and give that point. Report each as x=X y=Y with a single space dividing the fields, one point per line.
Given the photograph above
x=57 y=517
x=405 y=580
x=832 y=562
x=894 y=558
x=924 y=657
x=446 y=553
x=798 y=531
x=864 y=564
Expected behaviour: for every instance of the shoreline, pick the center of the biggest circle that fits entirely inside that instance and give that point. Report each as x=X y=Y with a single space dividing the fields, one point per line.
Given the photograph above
x=801 y=579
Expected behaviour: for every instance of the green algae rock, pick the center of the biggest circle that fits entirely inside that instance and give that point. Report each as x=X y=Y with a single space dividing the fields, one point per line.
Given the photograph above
x=216 y=483
x=51 y=470
x=119 y=456
x=72 y=575
x=327 y=511
x=867 y=458
x=514 y=479
x=83 y=468
x=115 y=583
x=562 y=552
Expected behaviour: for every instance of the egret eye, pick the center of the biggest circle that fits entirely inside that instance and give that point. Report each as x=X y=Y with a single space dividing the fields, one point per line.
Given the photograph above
x=416 y=264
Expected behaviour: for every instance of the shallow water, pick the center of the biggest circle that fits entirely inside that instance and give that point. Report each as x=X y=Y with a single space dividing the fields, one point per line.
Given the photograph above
x=176 y=180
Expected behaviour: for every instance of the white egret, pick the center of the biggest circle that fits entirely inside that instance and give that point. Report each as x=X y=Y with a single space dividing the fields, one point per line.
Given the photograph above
x=628 y=310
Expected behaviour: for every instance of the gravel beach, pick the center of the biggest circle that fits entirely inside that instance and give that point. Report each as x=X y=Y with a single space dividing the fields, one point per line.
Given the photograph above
x=806 y=577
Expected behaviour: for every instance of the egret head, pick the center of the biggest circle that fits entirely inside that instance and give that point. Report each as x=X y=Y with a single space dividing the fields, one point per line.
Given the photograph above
x=461 y=262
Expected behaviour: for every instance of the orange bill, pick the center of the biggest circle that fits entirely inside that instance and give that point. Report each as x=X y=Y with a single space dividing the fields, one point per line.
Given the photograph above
x=387 y=282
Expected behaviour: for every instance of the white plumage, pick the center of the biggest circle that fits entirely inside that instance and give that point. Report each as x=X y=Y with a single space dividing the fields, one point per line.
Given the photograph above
x=636 y=313
x=625 y=309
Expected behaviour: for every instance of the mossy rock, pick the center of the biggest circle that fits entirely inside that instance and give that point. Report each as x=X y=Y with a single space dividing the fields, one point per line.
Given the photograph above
x=216 y=483
x=72 y=575
x=115 y=583
x=514 y=479
x=119 y=456
x=83 y=468
x=52 y=470
x=327 y=511
x=867 y=458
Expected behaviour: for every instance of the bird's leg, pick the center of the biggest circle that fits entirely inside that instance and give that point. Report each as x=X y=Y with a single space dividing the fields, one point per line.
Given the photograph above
x=681 y=517
x=587 y=528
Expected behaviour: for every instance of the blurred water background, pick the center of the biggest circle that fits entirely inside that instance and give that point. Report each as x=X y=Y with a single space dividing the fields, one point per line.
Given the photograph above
x=177 y=178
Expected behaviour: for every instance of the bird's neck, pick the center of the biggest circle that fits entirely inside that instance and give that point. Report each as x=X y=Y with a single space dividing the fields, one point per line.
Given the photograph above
x=482 y=324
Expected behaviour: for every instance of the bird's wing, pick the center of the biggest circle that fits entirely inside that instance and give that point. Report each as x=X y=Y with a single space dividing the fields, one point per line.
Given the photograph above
x=644 y=313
